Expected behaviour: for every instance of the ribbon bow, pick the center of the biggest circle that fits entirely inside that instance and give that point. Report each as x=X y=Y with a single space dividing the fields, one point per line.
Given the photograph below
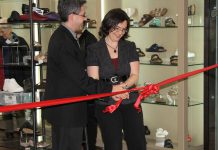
x=148 y=90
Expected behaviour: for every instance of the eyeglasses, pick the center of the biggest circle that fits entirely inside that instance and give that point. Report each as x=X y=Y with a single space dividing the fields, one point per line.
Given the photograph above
x=84 y=16
x=117 y=29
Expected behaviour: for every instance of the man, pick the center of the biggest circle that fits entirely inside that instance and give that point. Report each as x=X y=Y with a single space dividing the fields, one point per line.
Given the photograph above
x=67 y=77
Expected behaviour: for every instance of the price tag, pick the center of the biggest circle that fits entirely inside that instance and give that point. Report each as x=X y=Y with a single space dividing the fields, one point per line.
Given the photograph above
x=10 y=99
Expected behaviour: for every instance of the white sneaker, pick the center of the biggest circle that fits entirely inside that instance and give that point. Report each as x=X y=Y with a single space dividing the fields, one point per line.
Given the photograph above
x=6 y=84
x=13 y=86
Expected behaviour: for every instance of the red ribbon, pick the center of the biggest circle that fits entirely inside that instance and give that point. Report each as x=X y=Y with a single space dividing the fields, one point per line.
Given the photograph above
x=154 y=88
x=113 y=107
x=146 y=91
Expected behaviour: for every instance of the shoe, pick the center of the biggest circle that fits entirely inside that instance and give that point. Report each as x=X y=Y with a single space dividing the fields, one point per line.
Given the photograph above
x=26 y=9
x=145 y=19
x=155 y=60
x=147 y=131
x=53 y=16
x=15 y=17
x=191 y=10
x=10 y=85
x=169 y=22
x=35 y=17
x=140 y=52
x=155 y=48
x=155 y=23
x=6 y=84
x=163 y=11
x=168 y=143
x=174 y=60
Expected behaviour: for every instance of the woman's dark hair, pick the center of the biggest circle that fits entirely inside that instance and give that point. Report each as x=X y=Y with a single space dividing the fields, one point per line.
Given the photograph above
x=111 y=20
x=66 y=7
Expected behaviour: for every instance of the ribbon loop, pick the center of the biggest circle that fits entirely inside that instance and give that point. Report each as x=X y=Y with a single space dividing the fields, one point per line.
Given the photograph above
x=148 y=90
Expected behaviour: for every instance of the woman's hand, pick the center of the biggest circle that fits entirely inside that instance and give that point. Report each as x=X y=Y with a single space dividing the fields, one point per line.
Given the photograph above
x=117 y=88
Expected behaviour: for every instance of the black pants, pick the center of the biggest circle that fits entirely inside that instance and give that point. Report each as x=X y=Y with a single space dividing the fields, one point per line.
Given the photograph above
x=91 y=126
x=67 y=138
x=127 y=119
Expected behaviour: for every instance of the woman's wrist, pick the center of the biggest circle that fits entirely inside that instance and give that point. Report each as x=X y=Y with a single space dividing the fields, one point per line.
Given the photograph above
x=125 y=85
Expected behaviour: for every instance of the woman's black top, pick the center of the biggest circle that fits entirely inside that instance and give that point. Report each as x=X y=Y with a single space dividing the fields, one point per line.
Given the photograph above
x=98 y=55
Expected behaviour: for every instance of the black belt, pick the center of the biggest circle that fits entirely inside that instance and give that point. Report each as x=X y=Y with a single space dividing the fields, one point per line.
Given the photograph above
x=115 y=79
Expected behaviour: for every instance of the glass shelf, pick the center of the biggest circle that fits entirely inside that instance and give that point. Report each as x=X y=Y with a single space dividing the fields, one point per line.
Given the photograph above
x=15 y=65
x=152 y=101
x=43 y=24
x=195 y=26
x=168 y=64
x=161 y=27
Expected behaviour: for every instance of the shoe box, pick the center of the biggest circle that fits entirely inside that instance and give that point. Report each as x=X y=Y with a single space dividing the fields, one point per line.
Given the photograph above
x=8 y=98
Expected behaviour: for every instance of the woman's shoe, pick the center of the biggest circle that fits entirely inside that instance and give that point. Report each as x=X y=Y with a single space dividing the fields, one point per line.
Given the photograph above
x=174 y=60
x=155 y=60
x=145 y=19
x=140 y=52
x=169 y=22
x=155 y=23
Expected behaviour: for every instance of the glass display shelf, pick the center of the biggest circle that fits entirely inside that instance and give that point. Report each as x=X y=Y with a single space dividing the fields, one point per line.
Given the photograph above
x=42 y=24
x=196 y=26
x=161 y=27
x=15 y=65
x=165 y=102
x=168 y=64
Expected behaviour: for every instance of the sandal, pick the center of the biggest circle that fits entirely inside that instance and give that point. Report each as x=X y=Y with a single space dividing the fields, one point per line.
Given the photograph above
x=140 y=52
x=163 y=11
x=145 y=19
x=156 y=60
x=174 y=60
x=158 y=12
x=156 y=48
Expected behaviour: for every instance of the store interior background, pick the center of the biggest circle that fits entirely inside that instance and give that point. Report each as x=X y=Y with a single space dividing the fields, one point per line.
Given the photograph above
x=155 y=116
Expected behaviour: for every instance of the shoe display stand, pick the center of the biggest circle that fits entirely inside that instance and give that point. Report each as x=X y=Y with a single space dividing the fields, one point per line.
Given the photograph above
x=31 y=31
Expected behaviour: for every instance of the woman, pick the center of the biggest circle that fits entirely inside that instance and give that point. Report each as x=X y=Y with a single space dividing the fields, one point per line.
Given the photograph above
x=115 y=60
